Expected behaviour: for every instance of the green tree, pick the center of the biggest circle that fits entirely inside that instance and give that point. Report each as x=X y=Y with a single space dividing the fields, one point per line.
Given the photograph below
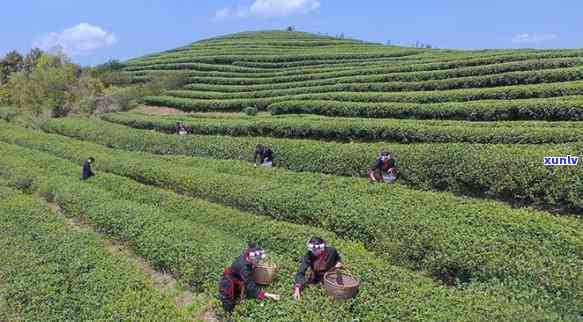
x=113 y=65
x=11 y=63
x=3 y=73
x=31 y=59
x=44 y=90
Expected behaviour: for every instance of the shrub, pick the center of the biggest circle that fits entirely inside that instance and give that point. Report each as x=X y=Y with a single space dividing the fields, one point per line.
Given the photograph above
x=362 y=130
x=52 y=272
x=251 y=111
x=386 y=292
x=508 y=172
x=433 y=232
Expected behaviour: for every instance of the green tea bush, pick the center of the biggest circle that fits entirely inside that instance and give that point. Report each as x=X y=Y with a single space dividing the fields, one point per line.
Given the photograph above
x=363 y=130
x=458 y=95
x=379 y=278
x=508 y=172
x=251 y=111
x=567 y=108
x=528 y=72
x=472 y=240
x=51 y=272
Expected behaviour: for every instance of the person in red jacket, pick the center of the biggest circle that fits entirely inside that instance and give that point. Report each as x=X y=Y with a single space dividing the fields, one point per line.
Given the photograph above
x=237 y=281
x=384 y=169
x=320 y=259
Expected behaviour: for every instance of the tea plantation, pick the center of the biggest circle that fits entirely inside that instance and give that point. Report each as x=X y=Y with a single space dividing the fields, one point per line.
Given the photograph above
x=476 y=227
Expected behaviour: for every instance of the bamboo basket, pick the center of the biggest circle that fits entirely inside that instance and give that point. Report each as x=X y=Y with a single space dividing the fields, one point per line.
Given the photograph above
x=348 y=290
x=264 y=273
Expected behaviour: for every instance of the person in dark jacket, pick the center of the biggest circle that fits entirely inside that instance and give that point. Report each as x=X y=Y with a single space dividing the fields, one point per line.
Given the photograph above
x=384 y=169
x=180 y=129
x=265 y=155
x=87 y=173
x=320 y=259
x=237 y=281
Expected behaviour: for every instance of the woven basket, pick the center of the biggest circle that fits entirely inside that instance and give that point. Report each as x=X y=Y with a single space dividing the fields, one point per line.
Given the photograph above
x=264 y=274
x=348 y=290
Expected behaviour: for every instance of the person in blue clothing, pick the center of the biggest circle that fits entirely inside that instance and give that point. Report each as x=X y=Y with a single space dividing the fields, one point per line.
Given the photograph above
x=87 y=173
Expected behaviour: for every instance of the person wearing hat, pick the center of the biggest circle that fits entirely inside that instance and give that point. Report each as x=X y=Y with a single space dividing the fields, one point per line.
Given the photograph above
x=384 y=169
x=320 y=258
x=265 y=155
x=87 y=173
x=237 y=281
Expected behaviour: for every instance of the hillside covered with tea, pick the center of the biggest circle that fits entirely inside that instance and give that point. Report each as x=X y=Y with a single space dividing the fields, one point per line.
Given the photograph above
x=476 y=227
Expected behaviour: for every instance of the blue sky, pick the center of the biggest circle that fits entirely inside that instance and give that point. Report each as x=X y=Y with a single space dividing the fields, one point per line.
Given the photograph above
x=95 y=31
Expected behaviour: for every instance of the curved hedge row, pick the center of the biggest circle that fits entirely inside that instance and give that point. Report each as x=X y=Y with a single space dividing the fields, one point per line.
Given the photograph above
x=319 y=65
x=497 y=80
x=198 y=66
x=430 y=56
x=568 y=108
x=237 y=69
x=228 y=59
x=51 y=272
x=347 y=130
x=425 y=57
x=512 y=73
x=422 y=58
x=303 y=63
x=508 y=172
x=437 y=63
x=468 y=239
x=481 y=76
x=454 y=59
x=546 y=90
x=380 y=298
x=326 y=63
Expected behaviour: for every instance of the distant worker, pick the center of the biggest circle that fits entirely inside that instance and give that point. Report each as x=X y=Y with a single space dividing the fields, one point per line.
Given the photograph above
x=237 y=281
x=180 y=129
x=87 y=173
x=384 y=169
x=320 y=258
x=265 y=155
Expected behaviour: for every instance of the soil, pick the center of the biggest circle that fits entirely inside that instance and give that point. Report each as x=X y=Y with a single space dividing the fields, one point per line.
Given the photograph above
x=159 y=110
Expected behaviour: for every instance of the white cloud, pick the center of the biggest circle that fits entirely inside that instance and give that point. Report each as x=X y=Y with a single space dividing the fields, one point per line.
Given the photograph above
x=224 y=13
x=283 y=7
x=533 y=38
x=80 y=40
x=270 y=8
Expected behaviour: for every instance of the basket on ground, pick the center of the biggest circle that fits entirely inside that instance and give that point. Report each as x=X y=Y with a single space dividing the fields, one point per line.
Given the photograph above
x=341 y=287
x=265 y=273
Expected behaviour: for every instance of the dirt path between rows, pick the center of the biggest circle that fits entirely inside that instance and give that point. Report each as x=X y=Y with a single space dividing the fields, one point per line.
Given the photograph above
x=162 y=281
x=159 y=110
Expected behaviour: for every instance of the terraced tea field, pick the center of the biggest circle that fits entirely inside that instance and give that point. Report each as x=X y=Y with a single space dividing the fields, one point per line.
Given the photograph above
x=476 y=228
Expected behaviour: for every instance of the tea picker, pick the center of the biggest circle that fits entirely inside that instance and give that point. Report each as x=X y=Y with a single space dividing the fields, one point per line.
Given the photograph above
x=237 y=282
x=384 y=169
x=180 y=129
x=87 y=173
x=321 y=259
x=264 y=154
